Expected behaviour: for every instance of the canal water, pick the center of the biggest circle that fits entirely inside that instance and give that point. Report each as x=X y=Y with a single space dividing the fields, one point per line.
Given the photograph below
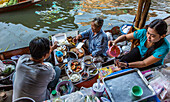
x=50 y=17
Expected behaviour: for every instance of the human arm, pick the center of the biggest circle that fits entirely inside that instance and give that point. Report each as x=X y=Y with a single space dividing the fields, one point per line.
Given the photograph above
x=77 y=37
x=140 y=64
x=55 y=45
x=121 y=38
x=82 y=35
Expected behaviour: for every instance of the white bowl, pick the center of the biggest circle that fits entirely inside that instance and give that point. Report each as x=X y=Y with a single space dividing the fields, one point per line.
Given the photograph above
x=70 y=66
x=87 y=59
x=92 y=68
x=75 y=77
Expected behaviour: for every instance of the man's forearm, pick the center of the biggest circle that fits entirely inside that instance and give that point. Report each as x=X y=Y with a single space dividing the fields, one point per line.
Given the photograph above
x=97 y=52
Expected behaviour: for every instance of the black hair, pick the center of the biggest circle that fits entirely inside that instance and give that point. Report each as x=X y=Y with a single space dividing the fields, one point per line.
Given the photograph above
x=160 y=26
x=39 y=47
x=98 y=21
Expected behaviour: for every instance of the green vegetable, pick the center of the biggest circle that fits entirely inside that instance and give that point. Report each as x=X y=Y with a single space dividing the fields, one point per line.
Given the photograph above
x=7 y=70
x=15 y=2
x=10 y=2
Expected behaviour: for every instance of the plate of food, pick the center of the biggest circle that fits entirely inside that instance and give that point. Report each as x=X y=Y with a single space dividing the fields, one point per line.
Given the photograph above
x=75 y=66
x=80 y=52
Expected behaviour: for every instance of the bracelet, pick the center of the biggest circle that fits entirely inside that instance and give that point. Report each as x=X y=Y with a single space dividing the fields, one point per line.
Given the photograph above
x=127 y=64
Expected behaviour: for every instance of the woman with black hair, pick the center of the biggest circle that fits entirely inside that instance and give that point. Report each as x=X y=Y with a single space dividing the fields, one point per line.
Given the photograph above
x=152 y=49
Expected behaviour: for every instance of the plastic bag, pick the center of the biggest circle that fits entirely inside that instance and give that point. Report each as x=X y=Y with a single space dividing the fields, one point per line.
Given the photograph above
x=109 y=36
x=162 y=89
x=2 y=66
x=75 y=97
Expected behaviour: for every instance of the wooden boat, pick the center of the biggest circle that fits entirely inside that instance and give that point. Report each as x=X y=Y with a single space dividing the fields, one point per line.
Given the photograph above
x=19 y=5
x=25 y=50
x=9 y=54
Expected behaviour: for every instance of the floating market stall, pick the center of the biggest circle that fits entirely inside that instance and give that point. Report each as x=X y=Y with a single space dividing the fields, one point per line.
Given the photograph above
x=11 y=5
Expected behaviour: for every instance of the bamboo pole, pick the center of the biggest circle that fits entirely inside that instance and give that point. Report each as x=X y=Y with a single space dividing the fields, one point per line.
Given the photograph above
x=144 y=13
x=137 y=20
x=141 y=17
x=140 y=6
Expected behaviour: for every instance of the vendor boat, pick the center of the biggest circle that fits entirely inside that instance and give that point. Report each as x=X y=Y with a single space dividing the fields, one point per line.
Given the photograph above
x=25 y=50
x=6 y=6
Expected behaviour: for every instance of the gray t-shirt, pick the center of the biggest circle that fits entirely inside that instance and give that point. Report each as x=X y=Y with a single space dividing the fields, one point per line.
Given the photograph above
x=31 y=79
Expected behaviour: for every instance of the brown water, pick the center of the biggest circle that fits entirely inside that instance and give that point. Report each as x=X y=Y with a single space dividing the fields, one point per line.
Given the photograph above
x=49 y=17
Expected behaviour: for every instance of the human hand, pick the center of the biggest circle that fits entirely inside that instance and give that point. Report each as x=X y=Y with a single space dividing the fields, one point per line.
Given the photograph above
x=111 y=43
x=55 y=45
x=75 y=39
x=121 y=64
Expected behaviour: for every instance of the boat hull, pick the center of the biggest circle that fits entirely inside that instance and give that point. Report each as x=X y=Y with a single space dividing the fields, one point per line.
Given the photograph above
x=19 y=5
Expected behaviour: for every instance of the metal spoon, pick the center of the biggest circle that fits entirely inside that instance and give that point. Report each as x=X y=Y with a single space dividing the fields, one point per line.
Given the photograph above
x=91 y=71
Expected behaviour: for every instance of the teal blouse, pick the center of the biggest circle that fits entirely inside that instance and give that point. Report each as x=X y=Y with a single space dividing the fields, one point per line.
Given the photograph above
x=160 y=52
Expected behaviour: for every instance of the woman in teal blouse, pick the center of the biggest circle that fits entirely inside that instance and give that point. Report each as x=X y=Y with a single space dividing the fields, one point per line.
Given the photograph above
x=152 y=49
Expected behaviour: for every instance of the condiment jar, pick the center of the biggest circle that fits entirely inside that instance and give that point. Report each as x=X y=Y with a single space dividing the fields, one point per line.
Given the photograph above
x=59 y=56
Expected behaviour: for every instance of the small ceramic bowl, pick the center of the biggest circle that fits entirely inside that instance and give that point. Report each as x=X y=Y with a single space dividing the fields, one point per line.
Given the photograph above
x=84 y=75
x=92 y=71
x=88 y=60
x=137 y=91
x=71 y=56
x=76 y=77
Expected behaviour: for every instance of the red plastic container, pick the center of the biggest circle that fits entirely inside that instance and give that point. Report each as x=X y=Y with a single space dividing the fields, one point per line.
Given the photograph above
x=113 y=51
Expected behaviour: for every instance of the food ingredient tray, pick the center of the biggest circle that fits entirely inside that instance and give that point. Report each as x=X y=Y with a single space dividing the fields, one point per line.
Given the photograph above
x=119 y=86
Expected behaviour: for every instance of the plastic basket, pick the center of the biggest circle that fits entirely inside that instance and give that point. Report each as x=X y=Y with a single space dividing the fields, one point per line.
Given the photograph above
x=124 y=29
x=8 y=79
x=69 y=84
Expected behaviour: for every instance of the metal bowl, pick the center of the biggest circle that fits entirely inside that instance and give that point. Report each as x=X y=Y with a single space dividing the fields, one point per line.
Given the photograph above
x=71 y=56
x=88 y=60
x=92 y=71
x=70 y=66
x=73 y=77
